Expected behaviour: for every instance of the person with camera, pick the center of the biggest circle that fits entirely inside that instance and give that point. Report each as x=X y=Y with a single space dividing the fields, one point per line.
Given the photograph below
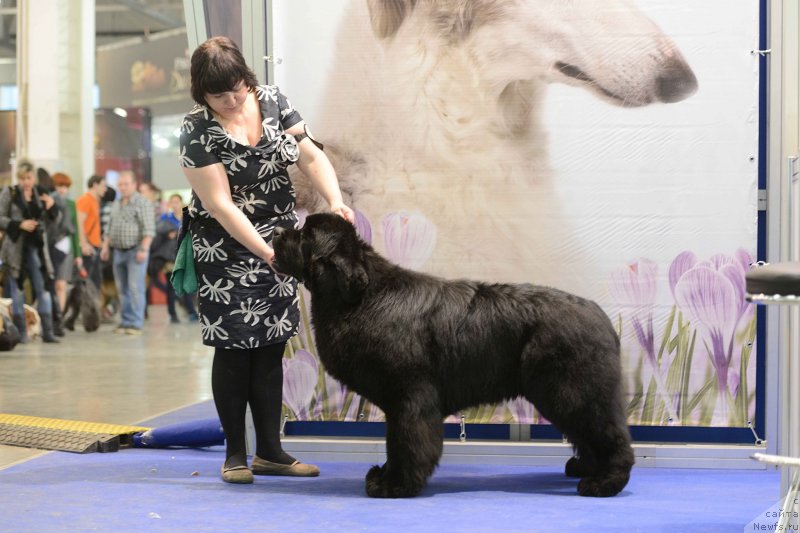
x=25 y=250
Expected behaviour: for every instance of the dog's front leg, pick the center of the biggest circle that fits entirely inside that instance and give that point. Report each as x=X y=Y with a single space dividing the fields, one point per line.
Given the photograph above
x=414 y=434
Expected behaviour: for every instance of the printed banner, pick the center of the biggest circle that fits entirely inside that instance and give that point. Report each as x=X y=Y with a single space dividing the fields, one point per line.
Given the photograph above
x=605 y=148
x=152 y=74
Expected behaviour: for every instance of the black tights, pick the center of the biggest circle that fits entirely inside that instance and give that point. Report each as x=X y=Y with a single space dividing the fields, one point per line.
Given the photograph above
x=254 y=376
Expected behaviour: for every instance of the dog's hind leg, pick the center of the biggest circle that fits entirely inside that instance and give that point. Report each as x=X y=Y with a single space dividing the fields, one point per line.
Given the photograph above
x=414 y=433
x=612 y=448
x=589 y=410
x=582 y=464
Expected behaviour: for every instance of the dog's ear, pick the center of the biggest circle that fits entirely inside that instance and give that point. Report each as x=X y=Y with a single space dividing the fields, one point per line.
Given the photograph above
x=388 y=15
x=351 y=279
x=336 y=275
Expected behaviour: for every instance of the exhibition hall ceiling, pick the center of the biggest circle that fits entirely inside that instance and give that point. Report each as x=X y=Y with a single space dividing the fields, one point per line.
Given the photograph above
x=115 y=20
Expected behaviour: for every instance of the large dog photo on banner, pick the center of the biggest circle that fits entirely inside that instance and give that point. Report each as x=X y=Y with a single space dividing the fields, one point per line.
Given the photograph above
x=437 y=109
x=569 y=144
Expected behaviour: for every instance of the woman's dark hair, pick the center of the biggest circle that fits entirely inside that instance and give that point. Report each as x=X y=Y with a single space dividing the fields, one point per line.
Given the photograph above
x=217 y=67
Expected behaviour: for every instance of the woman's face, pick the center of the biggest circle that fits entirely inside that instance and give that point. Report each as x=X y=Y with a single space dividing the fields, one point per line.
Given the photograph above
x=62 y=190
x=176 y=204
x=27 y=180
x=228 y=103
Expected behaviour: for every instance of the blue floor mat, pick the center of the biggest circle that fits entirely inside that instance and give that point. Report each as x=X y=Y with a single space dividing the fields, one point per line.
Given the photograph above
x=180 y=490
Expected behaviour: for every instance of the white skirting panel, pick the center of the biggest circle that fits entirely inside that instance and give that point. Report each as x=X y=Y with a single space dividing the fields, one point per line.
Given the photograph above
x=528 y=454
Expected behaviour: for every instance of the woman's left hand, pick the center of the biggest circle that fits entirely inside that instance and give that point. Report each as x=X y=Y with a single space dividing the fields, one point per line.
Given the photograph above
x=344 y=212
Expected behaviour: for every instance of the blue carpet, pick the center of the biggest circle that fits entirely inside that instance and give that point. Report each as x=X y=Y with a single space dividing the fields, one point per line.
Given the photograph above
x=180 y=490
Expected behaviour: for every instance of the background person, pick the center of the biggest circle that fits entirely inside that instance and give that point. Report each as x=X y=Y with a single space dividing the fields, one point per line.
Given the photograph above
x=88 y=207
x=59 y=231
x=131 y=227
x=24 y=252
x=162 y=258
x=65 y=272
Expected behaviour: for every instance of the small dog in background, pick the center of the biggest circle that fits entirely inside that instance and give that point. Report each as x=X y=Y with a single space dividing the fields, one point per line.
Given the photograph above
x=84 y=301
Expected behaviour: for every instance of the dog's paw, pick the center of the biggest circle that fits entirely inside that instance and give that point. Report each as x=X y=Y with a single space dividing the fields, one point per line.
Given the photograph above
x=576 y=467
x=380 y=486
x=602 y=487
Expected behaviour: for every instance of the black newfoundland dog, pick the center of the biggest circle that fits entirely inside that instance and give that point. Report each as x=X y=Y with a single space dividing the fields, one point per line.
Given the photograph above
x=421 y=347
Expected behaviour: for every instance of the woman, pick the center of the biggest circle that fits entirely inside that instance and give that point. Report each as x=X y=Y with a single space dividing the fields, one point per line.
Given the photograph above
x=162 y=257
x=70 y=244
x=24 y=251
x=236 y=145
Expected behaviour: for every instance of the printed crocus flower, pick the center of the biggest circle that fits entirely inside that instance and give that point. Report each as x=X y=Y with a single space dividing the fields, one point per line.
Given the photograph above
x=634 y=287
x=409 y=238
x=307 y=357
x=363 y=226
x=522 y=410
x=712 y=294
x=299 y=383
x=680 y=265
x=336 y=394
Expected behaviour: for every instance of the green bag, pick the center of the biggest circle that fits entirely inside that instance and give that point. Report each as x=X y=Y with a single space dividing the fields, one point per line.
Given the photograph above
x=184 y=278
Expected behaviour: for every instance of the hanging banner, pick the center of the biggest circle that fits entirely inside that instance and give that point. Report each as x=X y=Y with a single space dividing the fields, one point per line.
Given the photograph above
x=605 y=148
x=151 y=73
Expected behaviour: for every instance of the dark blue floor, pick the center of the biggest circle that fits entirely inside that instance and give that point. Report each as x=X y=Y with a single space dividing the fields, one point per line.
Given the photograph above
x=180 y=490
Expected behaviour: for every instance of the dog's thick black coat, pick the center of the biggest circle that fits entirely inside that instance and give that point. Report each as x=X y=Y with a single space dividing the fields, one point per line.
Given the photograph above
x=83 y=301
x=421 y=347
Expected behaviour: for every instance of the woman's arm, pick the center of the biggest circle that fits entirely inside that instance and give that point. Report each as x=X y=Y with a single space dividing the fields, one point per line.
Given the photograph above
x=210 y=183
x=318 y=169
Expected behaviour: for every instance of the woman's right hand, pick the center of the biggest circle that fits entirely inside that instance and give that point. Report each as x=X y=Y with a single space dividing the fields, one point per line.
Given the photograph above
x=270 y=259
x=28 y=225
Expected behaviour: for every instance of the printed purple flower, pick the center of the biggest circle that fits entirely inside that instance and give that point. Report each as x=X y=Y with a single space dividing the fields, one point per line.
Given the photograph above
x=734 y=380
x=299 y=383
x=679 y=266
x=711 y=301
x=363 y=226
x=409 y=238
x=522 y=410
x=336 y=394
x=634 y=285
x=307 y=357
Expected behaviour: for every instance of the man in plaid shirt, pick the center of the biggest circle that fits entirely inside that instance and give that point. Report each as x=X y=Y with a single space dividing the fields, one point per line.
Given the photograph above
x=131 y=228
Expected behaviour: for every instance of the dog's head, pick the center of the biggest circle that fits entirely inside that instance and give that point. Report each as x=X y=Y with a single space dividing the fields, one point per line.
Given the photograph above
x=611 y=48
x=326 y=255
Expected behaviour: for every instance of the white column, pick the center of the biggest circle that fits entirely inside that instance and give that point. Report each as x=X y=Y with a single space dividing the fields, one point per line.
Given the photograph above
x=38 y=111
x=77 y=76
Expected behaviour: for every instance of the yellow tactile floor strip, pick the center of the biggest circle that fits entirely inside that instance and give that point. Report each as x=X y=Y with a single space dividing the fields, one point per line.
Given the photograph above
x=69 y=425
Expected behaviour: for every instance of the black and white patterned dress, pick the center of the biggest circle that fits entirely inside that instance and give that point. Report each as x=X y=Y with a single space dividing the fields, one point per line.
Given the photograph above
x=243 y=303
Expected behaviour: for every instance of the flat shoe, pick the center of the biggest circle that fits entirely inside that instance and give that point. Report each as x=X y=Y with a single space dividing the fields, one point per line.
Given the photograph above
x=296 y=469
x=237 y=474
